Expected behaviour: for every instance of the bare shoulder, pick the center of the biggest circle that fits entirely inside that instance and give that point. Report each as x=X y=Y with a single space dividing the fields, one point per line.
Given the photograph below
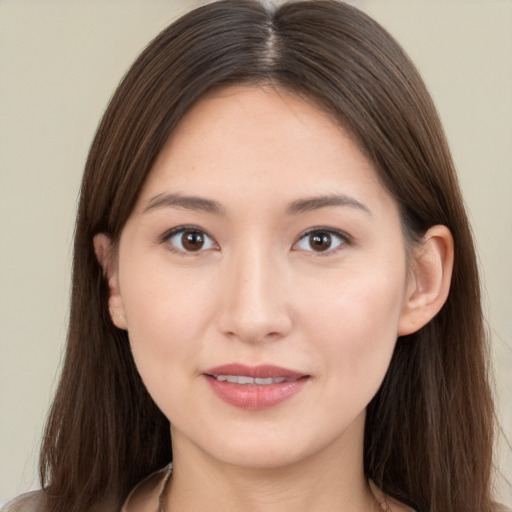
x=28 y=502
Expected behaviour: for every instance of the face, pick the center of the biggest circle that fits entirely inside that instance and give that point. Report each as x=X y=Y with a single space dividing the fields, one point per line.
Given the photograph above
x=261 y=278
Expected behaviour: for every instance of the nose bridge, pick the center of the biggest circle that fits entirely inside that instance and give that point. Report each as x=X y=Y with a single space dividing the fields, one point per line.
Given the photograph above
x=255 y=303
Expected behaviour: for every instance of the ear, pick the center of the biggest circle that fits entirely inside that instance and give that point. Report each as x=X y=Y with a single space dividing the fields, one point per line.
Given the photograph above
x=104 y=250
x=429 y=281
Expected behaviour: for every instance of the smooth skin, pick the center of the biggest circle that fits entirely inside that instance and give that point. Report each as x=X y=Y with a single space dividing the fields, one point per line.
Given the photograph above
x=264 y=236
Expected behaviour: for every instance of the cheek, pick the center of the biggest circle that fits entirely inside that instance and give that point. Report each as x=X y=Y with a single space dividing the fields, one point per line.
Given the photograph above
x=355 y=326
x=167 y=315
x=161 y=297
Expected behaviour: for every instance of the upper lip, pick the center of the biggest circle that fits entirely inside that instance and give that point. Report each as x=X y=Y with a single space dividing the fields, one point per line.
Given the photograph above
x=263 y=371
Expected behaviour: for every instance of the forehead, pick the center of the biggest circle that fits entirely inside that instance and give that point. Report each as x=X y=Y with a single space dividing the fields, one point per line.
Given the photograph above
x=250 y=141
x=257 y=115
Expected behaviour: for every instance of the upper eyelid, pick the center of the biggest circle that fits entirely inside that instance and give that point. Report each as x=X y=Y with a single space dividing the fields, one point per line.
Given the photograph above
x=345 y=240
x=178 y=229
x=342 y=234
x=170 y=233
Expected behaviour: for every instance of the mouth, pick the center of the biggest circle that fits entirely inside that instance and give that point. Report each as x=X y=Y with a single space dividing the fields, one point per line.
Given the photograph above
x=254 y=387
x=244 y=380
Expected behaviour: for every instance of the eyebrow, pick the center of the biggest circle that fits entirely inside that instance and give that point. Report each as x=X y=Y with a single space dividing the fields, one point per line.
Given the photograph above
x=177 y=200
x=309 y=204
x=302 y=205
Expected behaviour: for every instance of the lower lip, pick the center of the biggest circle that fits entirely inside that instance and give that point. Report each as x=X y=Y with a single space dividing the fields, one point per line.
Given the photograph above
x=254 y=397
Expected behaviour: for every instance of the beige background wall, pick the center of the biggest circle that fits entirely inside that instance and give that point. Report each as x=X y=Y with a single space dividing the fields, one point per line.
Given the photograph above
x=59 y=63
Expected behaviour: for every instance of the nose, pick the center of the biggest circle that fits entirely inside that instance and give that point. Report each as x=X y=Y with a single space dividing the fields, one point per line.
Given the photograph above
x=255 y=306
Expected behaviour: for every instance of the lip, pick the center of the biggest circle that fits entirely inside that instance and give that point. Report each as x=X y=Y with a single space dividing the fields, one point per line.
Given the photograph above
x=255 y=396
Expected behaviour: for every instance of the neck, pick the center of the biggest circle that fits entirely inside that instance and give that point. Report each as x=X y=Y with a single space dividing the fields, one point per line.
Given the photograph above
x=331 y=480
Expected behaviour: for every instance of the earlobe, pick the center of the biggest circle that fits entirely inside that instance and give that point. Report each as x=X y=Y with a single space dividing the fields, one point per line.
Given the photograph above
x=429 y=282
x=104 y=250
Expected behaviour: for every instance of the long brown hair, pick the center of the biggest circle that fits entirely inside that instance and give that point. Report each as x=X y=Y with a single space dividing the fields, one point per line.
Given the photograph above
x=429 y=429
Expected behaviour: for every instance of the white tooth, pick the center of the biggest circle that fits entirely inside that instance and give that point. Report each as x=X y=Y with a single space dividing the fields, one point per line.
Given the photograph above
x=263 y=381
x=242 y=379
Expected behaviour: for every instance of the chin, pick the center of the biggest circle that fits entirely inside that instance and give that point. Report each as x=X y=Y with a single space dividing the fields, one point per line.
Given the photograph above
x=263 y=458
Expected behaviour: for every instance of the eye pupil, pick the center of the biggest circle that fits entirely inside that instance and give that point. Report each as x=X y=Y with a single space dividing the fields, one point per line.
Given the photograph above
x=192 y=240
x=320 y=241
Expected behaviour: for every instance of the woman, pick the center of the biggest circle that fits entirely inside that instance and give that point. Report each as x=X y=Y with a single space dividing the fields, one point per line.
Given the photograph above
x=274 y=284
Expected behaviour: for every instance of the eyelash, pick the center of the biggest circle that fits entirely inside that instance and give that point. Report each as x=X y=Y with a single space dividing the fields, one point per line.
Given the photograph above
x=168 y=235
x=342 y=237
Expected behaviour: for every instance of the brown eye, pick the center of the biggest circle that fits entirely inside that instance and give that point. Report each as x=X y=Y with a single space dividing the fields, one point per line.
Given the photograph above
x=192 y=240
x=321 y=240
x=189 y=240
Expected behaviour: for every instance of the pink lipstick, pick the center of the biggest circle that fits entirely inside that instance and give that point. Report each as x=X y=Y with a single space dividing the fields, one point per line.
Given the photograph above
x=254 y=387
